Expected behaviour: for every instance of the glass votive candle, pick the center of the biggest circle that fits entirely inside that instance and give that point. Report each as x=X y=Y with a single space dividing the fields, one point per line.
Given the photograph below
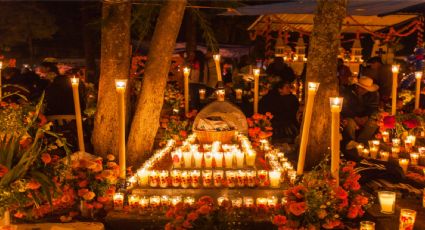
x=250 y=158
x=118 y=201
x=175 y=200
x=194 y=148
x=241 y=178
x=248 y=201
x=396 y=142
x=207 y=178
x=190 y=200
x=154 y=201
x=365 y=153
x=395 y=150
x=163 y=178
x=228 y=159
x=272 y=201
x=221 y=199
x=185 y=179
x=387 y=201
x=176 y=157
x=237 y=202
x=261 y=201
x=218 y=176
x=274 y=177
x=376 y=143
x=284 y=201
x=384 y=155
x=373 y=152
x=208 y=159
x=202 y=94
x=408 y=145
x=262 y=178
x=238 y=93
x=250 y=178
x=175 y=178
x=231 y=179
x=194 y=178
x=154 y=178
x=360 y=148
x=187 y=157
x=385 y=136
x=412 y=139
x=133 y=201
x=165 y=201
x=240 y=158
x=143 y=178
x=218 y=159
x=207 y=147
x=144 y=202
x=367 y=225
x=198 y=159
x=414 y=158
x=407 y=219
x=404 y=163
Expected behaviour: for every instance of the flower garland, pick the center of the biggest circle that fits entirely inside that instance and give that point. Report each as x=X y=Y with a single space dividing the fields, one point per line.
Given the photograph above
x=259 y=127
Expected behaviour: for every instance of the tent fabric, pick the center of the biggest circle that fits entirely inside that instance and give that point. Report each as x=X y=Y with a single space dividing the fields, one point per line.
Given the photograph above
x=304 y=22
x=355 y=7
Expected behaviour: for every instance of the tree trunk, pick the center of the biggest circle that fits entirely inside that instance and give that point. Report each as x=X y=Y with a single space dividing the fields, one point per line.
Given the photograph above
x=322 y=67
x=190 y=35
x=146 y=118
x=115 y=63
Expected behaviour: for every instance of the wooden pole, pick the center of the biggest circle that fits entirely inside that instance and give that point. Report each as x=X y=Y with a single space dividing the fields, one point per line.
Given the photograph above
x=79 y=120
x=395 y=69
x=217 y=66
x=120 y=85
x=311 y=93
x=418 y=76
x=186 y=73
x=336 y=107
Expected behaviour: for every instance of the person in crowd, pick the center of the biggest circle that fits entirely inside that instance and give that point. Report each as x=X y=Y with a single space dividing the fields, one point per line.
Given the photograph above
x=210 y=72
x=343 y=72
x=381 y=75
x=280 y=69
x=360 y=123
x=283 y=105
x=227 y=72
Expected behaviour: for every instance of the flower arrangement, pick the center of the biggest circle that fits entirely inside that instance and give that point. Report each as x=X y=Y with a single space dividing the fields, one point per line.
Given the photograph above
x=259 y=127
x=412 y=122
x=173 y=97
x=176 y=127
x=316 y=202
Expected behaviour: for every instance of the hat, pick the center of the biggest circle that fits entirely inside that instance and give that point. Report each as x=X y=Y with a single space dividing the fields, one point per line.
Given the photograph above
x=367 y=84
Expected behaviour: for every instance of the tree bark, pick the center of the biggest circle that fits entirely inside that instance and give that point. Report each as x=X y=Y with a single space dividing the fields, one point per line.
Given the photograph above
x=115 y=63
x=322 y=67
x=146 y=118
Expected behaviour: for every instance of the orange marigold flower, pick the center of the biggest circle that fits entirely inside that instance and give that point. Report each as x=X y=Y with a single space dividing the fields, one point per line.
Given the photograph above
x=110 y=157
x=82 y=192
x=279 y=220
x=3 y=170
x=33 y=185
x=297 y=208
x=89 y=195
x=97 y=205
x=45 y=157
x=19 y=215
x=83 y=183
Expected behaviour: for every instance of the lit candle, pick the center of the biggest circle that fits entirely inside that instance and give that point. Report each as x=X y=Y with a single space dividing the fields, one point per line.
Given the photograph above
x=256 y=89
x=272 y=201
x=228 y=159
x=221 y=199
x=250 y=158
x=414 y=157
x=241 y=178
x=311 y=93
x=175 y=200
x=336 y=107
x=176 y=178
x=202 y=94
x=408 y=145
x=248 y=201
x=176 y=157
x=387 y=201
x=155 y=201
x=143 y=202
x=250 y=178
x=384 y=155
x=207 y=147
x=274 y=177
x=231 y=179
x=262 y=178
x=412 y=139
x=194 y=148
x=187 y=156
x=262 y=201
x=237 y=202
x=198 y=159
x=190 y=200
x=360 y=148
x=194 y=178
x=396 y=142
x=185 y=176
x=120 y=85
x=404 y=163
x=186 y=73
x=208 y=159
x=373 y=152
x=206 y=178
x=143 y=177
x=154 y=179
x=395 y=70
x=163 y=178
x=216 y=58
x=418 y=76
x=118 y=201
x=218 y=176
x=133 y=201
x=240 y=156
x=238 y=94
x=365 y=152
x=385 y=136
x=221 y=93
x=367 y=225
x=218 y=159
x=165 y=201
x=394 y=152
x=407 y=219
x=78 y=119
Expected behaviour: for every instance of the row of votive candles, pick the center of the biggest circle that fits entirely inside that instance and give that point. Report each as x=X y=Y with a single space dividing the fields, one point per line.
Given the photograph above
x=135 y=201
x=195 y=159
x=387 y=201
x=238 y=94
x=211 y=178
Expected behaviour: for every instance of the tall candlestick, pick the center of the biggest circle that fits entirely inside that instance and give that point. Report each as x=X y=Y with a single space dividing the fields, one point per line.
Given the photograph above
x=1 y=68
x=256 y=88
x=120 y=85
x=216 y=58
x=418 y=76
x=395 y=69
x=311 y=93
x=76 y=95
x=186 y=73
x=336 y=107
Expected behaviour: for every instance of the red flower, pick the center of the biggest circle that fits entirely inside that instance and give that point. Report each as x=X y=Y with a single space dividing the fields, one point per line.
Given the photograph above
x=187 y=224
x=83 y=183
x=410 y=124
x=33 y=185
x=45 y=157
x=353 y=212
x=279 y=220
x=192 y=216
x=204 y=210
x=341 y=193
x=331 y=224
x=389 y=122
x=19 y=215
x=3 y=170
x=297 y=208
x=82 y=192
x=183 y=133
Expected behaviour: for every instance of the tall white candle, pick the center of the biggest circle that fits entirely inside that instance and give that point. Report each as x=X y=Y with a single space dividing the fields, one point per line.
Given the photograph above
x=187 y=156
x=120 y=85
x=418 y=76
x=395 y=70
x=240 y=156
x=311 y=93
x=228 y=159
x=208 y=159
x=218 y=158
x=256 y=89
x=198 y=159
x=216 y=58
x=186 y=73
x=1 y=68
x=79 y=121
x=336 y=107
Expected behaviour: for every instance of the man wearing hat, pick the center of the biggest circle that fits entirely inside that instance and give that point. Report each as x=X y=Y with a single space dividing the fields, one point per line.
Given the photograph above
x=381 y=75
x=363 y=115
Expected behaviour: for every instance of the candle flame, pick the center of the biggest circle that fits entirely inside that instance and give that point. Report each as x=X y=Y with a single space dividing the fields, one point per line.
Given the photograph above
x=418 y=74
x=216 y=57
x=120 y=83
x=336 y=101
x=74 y=80
x=1 y=64
x=256 y=72
x=395 y=68
x=313 y=86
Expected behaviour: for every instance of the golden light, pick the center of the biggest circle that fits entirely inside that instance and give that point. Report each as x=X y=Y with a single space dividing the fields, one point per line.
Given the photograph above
x=313 y=86
x=256 y=72
x=74 y=80
x=395 y=68
x=186 y=71
x=418 y=74
x=1 y=64
x=120 y=83
x=336 y=102
x=216 y=57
